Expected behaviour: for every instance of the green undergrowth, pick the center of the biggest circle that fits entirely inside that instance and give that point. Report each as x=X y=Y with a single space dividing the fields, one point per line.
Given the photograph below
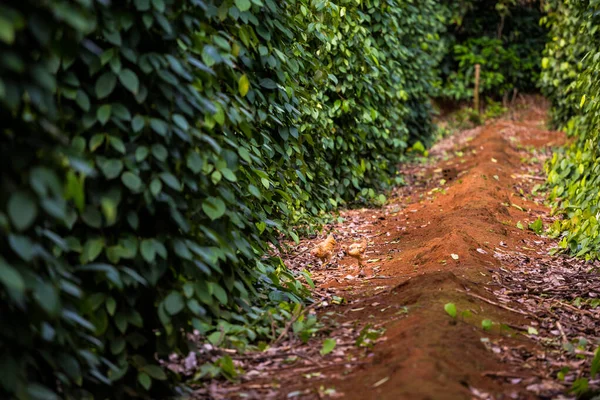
x=571 y=61
x=570 y=80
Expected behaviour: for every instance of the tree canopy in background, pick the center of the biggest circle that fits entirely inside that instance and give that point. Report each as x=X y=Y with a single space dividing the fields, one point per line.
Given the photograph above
x=504 y=37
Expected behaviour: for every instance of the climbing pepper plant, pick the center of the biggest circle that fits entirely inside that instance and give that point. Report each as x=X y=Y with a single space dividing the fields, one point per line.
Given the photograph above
x=569 y=79
x=153 y=150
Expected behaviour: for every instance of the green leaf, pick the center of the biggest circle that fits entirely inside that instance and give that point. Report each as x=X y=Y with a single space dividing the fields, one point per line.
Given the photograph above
x=219 y=293
x=10 y=277
x=188 y=289
x=213 y=207
x=171 y=180
x=155 y=187
x=147 y=250
x=39 y=392
x=83 y=100
x=243 y=5
x=111 y=305
x=328 y=346
x=132 y=181
x=22 y=246
x=182 y=250
x=96 y=141
x=159 y=126
x=103 y=113
x=595 y=368
x=109 y=209
x=174 y=303
x=450 y=309
x=117 y=144
x=537 y=226
x=196 y=308
x=243 y=152
x=155 y=372
x=159 y=5
x=532 y=331
x=520 y=225
x=159 y=152
x=215 y=338
x=254 y=191
x=46 y=296
x=194 y=162
x=92 y=217
x=141 y=153
x=22 y=210
x=229 y=175
x=243 y=85
x=181 y=122
x=112 y=274
x=268 y=83
x=129 y=79
x=75 y=189
x=121 y=322
x=7 y=30
x=486 y=324
x=105 y=85
x=138 y=123
x=111 y=168
x=142 y=5
x=91 y=250
x=144 y=380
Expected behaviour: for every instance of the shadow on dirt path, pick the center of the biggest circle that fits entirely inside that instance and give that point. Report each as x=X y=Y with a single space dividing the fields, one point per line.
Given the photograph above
x=441 y=239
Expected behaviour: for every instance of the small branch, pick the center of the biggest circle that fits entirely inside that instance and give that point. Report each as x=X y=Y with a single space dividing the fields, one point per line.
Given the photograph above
x=317 y=367
x=502 y=374
x=498 y=304
x=577 y=310
x=562 y=332
x=290 y=323
x=315 y=362
x=525 y=176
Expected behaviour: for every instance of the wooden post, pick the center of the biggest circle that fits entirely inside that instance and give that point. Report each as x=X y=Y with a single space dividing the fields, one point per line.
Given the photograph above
x=476 y=92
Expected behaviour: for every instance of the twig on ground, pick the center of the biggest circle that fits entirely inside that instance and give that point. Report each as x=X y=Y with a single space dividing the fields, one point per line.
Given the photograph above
x=562 y=332
x=498 y=304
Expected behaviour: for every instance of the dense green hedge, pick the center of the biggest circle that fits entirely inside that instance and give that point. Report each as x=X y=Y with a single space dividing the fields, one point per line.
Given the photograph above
x=570 y=79
x=152 y=149
x=503 y=36
x=563 y=59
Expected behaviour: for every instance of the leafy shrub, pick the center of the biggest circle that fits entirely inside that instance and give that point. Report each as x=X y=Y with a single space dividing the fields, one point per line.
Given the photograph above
x=152 y=149
x=372 y=72
x=571 y=65
x=563 y=59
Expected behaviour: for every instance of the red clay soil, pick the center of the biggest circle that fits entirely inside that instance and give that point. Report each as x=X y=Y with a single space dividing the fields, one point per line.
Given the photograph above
x=436 y=246
x=426 y=355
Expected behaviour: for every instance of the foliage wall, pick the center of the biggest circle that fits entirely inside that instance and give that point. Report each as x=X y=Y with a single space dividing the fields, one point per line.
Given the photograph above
x=503 y=36
x=570 y=79
x=151 y=150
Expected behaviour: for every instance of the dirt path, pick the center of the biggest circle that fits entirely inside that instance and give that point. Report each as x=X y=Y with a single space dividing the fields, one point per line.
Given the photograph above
x=447 y=237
